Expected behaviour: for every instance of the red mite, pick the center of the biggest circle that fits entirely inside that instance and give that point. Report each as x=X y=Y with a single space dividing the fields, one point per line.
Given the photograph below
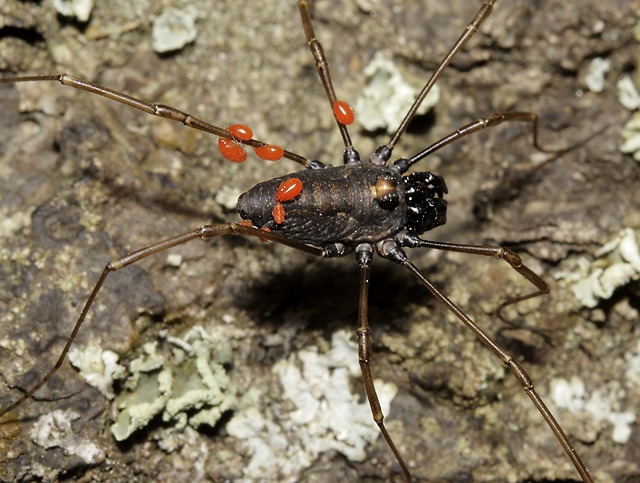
x=269 y=152
x=278 y=213
x=250 y=225
x=343 y=112
x=289 y=189
x=240 y=131
x=231 y=150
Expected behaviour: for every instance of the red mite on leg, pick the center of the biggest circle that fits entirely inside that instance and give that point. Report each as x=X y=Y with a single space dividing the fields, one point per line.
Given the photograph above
x=269 y=152
x=249 y=224
x=231 y=150
x=241 y=131
x=343 y=112
x=264 y=228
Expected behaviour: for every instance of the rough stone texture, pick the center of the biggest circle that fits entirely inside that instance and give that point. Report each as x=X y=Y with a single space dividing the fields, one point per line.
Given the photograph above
x=84 y=180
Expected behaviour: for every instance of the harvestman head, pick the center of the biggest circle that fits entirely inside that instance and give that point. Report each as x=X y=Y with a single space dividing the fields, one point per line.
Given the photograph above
x=363 y=207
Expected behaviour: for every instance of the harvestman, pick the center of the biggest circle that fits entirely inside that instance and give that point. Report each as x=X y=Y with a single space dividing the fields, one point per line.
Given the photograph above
x=362 y=207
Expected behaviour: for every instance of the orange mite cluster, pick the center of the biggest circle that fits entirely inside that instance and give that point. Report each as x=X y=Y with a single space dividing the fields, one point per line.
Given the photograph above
x=233 y=150
x=287 y=190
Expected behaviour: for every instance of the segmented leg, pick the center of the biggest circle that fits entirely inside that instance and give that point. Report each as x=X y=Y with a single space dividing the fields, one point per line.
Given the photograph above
x=364 y=258
x=159 y=110
x=508 y=256
x=484 y=122
x=350 y=154
x=203 y=232
x=513 y=259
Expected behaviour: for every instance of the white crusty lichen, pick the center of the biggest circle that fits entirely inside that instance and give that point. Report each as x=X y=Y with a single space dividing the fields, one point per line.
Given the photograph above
x=388 y=96
x=616 y=264
x=631 y=137
x=595 y=77
x=630 y=98
x=54 y=430
x=601 y=405
x=173 y=29
x=633 y=367
x=628 y=94
x=99 y=368
x=79 y=9
x=322 y=413
x=188 y=388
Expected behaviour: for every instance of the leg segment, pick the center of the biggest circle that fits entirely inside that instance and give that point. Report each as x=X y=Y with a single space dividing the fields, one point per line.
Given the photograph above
x=204 y=233
x=477 y=125
x=384 y=153
x=159 y=110
x=364 y=258
x=514 y=260
x=350 y=154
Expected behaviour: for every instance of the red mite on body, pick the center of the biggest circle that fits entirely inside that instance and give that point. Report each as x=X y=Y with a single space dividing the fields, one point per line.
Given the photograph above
x=289 y=189
x=278 y=213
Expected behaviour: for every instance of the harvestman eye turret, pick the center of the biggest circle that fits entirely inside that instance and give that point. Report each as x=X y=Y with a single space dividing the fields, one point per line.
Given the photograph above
x=364 y=207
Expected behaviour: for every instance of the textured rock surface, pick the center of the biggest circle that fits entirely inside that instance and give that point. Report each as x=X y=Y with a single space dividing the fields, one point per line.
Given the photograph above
x=84 y=180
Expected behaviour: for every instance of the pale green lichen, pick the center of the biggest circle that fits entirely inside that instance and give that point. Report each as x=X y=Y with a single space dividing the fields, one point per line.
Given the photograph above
x=148 y=390
x=186 y=381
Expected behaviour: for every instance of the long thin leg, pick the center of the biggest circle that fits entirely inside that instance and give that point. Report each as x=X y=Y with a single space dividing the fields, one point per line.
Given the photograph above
x=485 y=10
x=364 y=355
x=523 y=378
x=323 y=69
x=203 y=232
x=513 y=259
x=477 y=125
x=159 y=110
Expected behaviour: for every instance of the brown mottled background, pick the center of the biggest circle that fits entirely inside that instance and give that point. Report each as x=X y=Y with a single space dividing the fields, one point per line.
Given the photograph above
x=83 y=180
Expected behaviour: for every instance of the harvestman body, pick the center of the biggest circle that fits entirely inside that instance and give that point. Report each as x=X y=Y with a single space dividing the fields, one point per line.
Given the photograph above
x=364 y=207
